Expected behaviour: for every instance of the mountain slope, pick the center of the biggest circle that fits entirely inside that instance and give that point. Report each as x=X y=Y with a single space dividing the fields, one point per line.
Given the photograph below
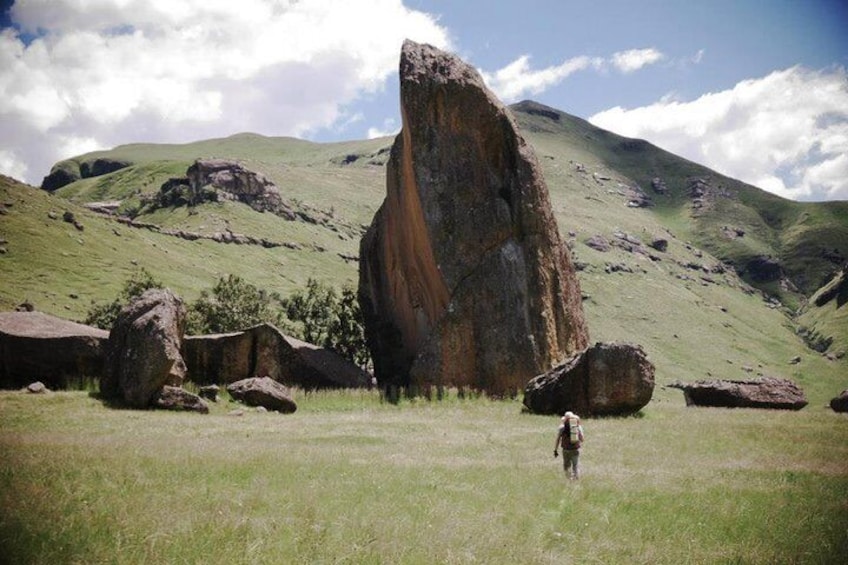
x=684 y=303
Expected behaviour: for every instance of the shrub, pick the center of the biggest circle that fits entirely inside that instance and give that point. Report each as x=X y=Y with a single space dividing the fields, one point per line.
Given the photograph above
x=233 y=305
x=104 y=315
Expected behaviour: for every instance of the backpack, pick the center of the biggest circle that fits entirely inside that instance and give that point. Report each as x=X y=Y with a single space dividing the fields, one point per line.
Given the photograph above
x=571 y=433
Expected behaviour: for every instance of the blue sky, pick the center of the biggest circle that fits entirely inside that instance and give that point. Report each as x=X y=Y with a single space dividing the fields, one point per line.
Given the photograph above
x=757 y=90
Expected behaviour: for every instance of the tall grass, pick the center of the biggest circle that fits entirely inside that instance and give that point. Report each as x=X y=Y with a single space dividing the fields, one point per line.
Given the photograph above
x=351 y=479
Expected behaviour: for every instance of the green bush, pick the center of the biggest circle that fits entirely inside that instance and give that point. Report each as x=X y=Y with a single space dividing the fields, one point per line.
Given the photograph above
x=233 y=305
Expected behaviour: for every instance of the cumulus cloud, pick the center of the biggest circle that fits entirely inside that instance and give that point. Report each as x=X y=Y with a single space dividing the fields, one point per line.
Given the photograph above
x=80 y=76
x=517 y=79
x=786 y=132
x=635 y=59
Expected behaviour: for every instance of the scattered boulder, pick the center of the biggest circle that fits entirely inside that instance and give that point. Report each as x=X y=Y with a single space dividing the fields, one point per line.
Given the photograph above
x=36 y=388
x=767 y=392
x=143 y=351
x=659 y=186
x=209 y=392
x=265 y=351
x=464 y=280
x=179 y=399
x=660 y=244
x=605 y=379
x=263 y=391
x=57 y=352
x=598 y=243
x=840 y=403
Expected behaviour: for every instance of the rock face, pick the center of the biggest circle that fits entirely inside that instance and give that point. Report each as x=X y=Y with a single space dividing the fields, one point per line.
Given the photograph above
x=768 y=392
x=265 y=392
x=143 y=351
x=605 y=379
x=840 y=403
x=233 y=179
x=264 y=351
x=464 y=279
x=57 y=352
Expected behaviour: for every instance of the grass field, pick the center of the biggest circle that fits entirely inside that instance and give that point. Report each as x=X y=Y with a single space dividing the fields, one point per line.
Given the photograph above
x=349 y=479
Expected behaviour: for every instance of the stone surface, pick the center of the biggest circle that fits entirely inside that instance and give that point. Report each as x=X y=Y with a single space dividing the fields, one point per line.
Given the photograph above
x=143 y=351
x=57 y=352
x=36 y=388
x=768 y=392
x=605 y=379
x=263 y=391
x=175 y=398
x=264 y=351
x=464 y=279
x=840 y=403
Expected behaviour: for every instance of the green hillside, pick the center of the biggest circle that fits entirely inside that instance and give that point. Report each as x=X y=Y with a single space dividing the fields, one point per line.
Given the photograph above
x=686 y=304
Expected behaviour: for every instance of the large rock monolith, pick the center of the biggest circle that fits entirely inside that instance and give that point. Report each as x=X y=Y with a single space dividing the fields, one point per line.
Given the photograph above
x=265 y=351
x=143 y=351
x=57 y=352
x=605 y=379
x=464 y=279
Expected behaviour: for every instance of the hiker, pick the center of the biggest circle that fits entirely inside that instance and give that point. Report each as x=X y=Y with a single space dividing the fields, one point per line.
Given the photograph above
x=570 y=436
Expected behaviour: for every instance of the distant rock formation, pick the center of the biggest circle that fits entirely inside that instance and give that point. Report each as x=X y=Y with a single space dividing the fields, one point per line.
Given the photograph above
x=65 y=172
x=464 y=279
x=605 y=379
x=768 y=392
x=59 y=353
x=264 y=351
x=143 y=351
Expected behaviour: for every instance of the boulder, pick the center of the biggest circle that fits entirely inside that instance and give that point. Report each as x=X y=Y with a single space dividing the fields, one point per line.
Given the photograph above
x=57 y=352
x=36 y=388
x=840 y=403
x=209 y=392
x=264 y=351
x=464 y=280
x=263 y=391
x=768 y=392
x=143 y=351
x=605 y=379
x=176 y=398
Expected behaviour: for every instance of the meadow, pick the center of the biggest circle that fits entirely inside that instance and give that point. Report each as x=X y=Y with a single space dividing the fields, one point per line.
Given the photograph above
x=349 y=478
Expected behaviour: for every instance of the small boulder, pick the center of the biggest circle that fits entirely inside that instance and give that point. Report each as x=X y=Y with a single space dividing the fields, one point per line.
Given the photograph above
x=176 y=398
x=36 y=388
x=209 y=392
x=768 y=392
x=660 y=244
x=263 y=391
x=840 y=403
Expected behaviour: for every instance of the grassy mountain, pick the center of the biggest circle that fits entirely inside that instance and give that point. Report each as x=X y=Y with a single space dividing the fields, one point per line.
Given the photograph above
x=696 y=306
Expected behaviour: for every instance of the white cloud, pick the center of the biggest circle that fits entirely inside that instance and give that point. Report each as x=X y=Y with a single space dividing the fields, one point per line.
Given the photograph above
x=635 y=59
x=786 y=132
x=389 y=127
x=517 y=79
x=117 y=71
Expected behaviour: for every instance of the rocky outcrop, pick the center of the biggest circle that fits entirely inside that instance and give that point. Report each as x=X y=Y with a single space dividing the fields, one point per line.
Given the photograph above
x=264 y=351
x=605 y=379
x=239 y=183
x=264 y=392
x=840 y=403
x=143 y=351
x=768 y=392
x=464 y=279
x=57 y=352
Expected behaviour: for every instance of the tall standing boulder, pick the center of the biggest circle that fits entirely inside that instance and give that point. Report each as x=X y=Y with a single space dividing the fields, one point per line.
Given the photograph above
x=464 y=279
x=143 y=351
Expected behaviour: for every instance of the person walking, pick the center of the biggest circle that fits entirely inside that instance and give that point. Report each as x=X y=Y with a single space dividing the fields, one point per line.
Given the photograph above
x=570 y=437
